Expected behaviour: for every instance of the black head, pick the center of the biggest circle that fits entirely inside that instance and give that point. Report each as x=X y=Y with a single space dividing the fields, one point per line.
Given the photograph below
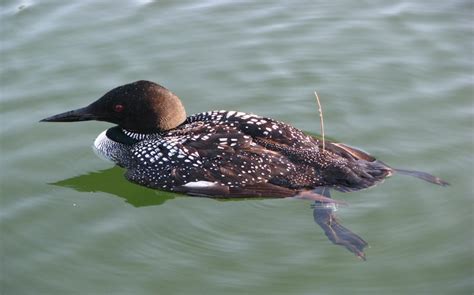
x=141 y=106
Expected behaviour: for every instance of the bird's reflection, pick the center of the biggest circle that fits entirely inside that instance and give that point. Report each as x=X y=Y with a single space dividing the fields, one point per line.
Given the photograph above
x=111 y=181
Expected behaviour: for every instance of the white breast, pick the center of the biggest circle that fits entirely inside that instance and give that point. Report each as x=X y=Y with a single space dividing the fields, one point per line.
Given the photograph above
x=100 y=144
x=110 y=150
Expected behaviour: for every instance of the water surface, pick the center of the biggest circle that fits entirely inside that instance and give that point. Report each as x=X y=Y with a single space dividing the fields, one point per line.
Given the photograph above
x=395 y=79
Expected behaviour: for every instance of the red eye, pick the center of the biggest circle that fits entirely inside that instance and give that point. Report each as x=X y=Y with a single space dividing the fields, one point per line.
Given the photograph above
x=119 y=108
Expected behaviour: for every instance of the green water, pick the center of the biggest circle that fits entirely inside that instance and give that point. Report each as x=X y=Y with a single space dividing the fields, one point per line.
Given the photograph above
x=395 y=79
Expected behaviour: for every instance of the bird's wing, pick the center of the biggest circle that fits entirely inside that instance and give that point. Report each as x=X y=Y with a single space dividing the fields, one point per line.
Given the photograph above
x=214 y=161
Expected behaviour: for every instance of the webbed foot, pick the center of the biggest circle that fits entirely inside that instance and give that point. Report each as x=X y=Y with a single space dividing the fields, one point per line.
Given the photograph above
x=324 y=216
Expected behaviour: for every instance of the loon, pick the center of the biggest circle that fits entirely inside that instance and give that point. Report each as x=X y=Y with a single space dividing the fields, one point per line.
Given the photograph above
x=227 y=154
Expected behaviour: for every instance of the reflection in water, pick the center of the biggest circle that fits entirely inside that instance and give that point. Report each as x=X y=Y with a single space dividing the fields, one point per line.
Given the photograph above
x=111 y=181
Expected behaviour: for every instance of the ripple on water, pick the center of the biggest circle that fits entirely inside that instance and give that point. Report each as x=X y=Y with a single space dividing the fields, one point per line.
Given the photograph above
x=394 y=79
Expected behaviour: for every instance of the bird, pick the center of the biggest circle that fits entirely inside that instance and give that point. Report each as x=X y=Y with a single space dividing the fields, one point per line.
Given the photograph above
x=229 y=154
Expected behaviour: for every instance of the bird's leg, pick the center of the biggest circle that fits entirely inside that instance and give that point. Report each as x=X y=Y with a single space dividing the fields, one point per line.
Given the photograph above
x=315 y=195
x=324 y=216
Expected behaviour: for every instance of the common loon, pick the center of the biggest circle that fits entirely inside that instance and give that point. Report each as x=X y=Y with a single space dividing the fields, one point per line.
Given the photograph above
x=224 y=153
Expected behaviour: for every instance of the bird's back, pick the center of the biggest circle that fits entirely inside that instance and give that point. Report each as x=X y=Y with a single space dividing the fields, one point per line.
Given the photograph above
x=233 y=154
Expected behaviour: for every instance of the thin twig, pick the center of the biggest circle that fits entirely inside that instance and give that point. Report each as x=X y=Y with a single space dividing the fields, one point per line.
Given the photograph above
x=321 y=119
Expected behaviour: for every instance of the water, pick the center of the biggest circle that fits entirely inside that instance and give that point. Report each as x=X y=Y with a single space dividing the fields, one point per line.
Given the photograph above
x=395 y=79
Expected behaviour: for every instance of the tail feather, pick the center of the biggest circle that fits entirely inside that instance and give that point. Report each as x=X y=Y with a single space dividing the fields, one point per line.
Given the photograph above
x=423 y=175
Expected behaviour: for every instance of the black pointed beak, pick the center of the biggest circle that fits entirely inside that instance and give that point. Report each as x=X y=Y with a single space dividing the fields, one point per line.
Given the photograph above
x=82 y=114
